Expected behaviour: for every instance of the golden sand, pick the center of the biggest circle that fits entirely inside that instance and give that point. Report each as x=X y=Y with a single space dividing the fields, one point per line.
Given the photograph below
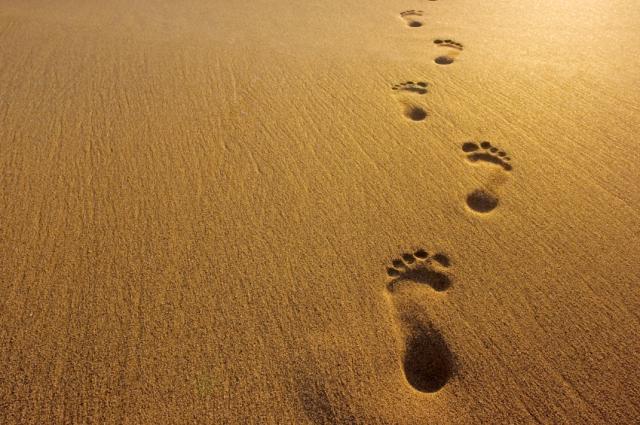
x=323 y=212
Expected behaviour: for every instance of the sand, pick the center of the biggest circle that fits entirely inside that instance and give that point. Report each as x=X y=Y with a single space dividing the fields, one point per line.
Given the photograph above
x=205 y=206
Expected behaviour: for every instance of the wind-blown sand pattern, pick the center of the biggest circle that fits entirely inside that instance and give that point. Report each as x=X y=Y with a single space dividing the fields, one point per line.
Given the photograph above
x=205 y=205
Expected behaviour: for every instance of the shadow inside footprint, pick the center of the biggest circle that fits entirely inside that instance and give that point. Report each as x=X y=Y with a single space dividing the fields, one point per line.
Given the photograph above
x=482 y=201
x=427 y=276
x=427 y=363
x=415 y=113
x=443 y=60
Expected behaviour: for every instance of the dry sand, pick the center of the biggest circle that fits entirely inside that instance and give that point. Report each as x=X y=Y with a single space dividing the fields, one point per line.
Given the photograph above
x=202 y=204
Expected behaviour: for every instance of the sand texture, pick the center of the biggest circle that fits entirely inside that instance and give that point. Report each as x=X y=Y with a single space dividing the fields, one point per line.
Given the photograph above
x=320 y=212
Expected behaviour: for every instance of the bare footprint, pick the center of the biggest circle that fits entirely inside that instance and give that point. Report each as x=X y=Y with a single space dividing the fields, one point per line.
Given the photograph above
x=420 y=87
x=412 y=111
x=412 y=18
x=427 y=362
x=454 y=48
x=485 y=200
x=486 y=153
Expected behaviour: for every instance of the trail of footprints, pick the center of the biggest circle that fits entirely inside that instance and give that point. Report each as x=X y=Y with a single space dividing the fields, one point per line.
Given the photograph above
x=412 y=110
x=427 y=362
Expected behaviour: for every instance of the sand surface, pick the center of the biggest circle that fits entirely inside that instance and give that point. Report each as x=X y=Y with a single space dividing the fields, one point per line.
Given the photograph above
x=204 y=206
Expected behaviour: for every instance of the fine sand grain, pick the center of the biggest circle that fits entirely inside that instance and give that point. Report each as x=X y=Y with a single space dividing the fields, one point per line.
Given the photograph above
x=327 y=212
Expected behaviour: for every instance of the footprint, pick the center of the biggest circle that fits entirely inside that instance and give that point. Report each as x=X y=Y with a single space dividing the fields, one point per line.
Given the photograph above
x=485 y=152
x=427 y=362
x=412 y=17
x=485 y=200
x=411 y=110
x=420 y=87
x=455 y=49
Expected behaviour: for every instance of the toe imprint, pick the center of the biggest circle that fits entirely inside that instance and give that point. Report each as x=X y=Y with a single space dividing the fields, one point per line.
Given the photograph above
x=448 y=43
x=485 y=152
x=421 y=268
x=419 y=87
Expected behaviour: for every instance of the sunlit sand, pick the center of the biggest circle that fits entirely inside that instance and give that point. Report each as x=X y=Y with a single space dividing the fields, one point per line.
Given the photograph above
x=329 y=212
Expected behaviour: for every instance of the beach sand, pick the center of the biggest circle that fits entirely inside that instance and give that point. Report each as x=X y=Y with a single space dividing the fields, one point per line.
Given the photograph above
x=278 y=213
